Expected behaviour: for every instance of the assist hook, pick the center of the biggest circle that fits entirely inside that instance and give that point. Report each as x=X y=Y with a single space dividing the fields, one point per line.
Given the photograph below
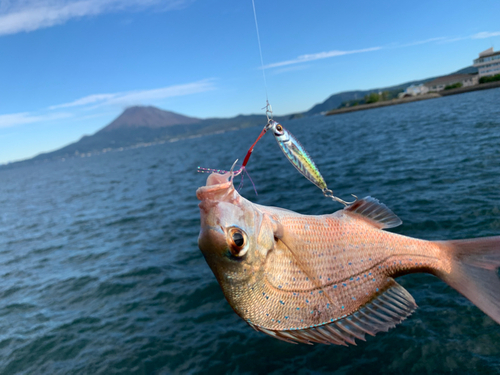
x=329 y=194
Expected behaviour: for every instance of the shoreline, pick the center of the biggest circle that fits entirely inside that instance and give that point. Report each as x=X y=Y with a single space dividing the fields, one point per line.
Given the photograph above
x=461 y=90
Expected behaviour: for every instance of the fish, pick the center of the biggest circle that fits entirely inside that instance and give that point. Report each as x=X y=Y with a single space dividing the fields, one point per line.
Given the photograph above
x=330 y=279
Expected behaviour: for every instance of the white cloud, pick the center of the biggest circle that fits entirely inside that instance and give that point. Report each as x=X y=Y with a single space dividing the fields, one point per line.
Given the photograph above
x=334 y=53
x=29 y=15
x=481 y=35
x=15 y=119
x=438 y=39
x=91 y=99
x=290 y=68
x=452 y=40
x=140 y=96
x=121 y=99
x=318 y=56
x=485 y=34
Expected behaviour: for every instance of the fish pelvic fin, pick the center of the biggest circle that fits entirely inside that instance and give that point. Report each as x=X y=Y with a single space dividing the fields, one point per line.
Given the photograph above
x=376 y=213
x=388 y=307
x=473 y=272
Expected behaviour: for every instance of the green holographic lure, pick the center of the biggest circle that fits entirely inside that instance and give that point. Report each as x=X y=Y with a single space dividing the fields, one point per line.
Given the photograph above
x=300 y=159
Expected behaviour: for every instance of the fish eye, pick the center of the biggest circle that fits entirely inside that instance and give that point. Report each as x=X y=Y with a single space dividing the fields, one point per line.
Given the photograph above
x=237 y=241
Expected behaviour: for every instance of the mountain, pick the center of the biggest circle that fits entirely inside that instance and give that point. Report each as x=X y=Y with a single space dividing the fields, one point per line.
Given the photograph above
x=144 y=125
x=468 y=70
x=134 y=126
x=149 y=117
x=336 y=100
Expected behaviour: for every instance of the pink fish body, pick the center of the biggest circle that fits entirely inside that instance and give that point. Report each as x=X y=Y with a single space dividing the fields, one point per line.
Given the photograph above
x=330 y=278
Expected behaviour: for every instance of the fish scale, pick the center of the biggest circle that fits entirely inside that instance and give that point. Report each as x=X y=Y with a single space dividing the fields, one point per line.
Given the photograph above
x=330 y=278
x=347 y=272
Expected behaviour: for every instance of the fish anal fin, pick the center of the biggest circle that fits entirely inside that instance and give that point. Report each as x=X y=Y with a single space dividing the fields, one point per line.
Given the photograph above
x=387 y=309
x=376 y=213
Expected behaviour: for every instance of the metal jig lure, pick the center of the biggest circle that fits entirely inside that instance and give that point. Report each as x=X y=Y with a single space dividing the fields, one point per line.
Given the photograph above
x=300 y=159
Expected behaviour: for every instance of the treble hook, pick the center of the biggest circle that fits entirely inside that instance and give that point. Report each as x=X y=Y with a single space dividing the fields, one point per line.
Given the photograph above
x=329 y=194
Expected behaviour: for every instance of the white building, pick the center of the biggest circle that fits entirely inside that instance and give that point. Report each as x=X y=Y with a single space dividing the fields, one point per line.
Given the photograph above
x=414 y=90
x=440 y=83
x=488 y=63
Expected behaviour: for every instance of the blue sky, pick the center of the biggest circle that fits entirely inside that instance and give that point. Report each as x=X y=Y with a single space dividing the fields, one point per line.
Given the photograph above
x=68 y=68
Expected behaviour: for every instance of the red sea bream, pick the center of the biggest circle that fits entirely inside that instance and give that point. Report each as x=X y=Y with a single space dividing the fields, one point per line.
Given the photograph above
x=330 y=278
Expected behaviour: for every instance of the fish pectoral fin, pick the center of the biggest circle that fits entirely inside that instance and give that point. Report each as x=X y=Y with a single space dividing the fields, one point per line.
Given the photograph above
x=376 y=213
x=298 y=249
x=278 y=229
x=388 y=308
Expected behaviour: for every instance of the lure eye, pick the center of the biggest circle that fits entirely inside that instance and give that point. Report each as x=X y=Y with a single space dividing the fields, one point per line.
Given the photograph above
x=237 y=241
x=279 y=130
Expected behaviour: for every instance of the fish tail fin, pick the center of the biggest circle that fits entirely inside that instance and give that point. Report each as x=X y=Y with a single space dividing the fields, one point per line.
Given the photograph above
x=474 y=272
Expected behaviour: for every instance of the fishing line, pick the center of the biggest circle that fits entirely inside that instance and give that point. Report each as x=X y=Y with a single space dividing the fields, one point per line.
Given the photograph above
x=269 y=115
x=290 y=146
x=269 y=110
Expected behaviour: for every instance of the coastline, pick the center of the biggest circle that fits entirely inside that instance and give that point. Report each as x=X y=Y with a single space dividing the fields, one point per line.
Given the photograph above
x=461 y=90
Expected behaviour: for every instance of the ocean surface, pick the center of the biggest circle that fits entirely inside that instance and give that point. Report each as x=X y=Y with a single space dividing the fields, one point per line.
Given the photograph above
x=100 y=272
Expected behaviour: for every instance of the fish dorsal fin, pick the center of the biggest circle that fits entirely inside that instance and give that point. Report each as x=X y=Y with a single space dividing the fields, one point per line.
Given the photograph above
x=375 y=212
x=388 y=308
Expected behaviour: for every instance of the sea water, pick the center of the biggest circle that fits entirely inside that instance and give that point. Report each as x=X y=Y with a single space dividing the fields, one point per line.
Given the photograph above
x=100 y=272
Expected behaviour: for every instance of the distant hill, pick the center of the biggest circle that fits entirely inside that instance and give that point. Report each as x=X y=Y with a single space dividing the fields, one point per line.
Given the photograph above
x=143 y=125
x=149 y=117
x=336 y=100
x=468 y=70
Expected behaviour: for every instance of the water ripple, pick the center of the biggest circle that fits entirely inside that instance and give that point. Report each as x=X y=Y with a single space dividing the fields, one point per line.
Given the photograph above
x=101 y=272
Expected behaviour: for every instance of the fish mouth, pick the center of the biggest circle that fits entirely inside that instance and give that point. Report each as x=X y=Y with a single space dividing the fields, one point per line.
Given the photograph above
x=218 y=189
x=217 y=185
